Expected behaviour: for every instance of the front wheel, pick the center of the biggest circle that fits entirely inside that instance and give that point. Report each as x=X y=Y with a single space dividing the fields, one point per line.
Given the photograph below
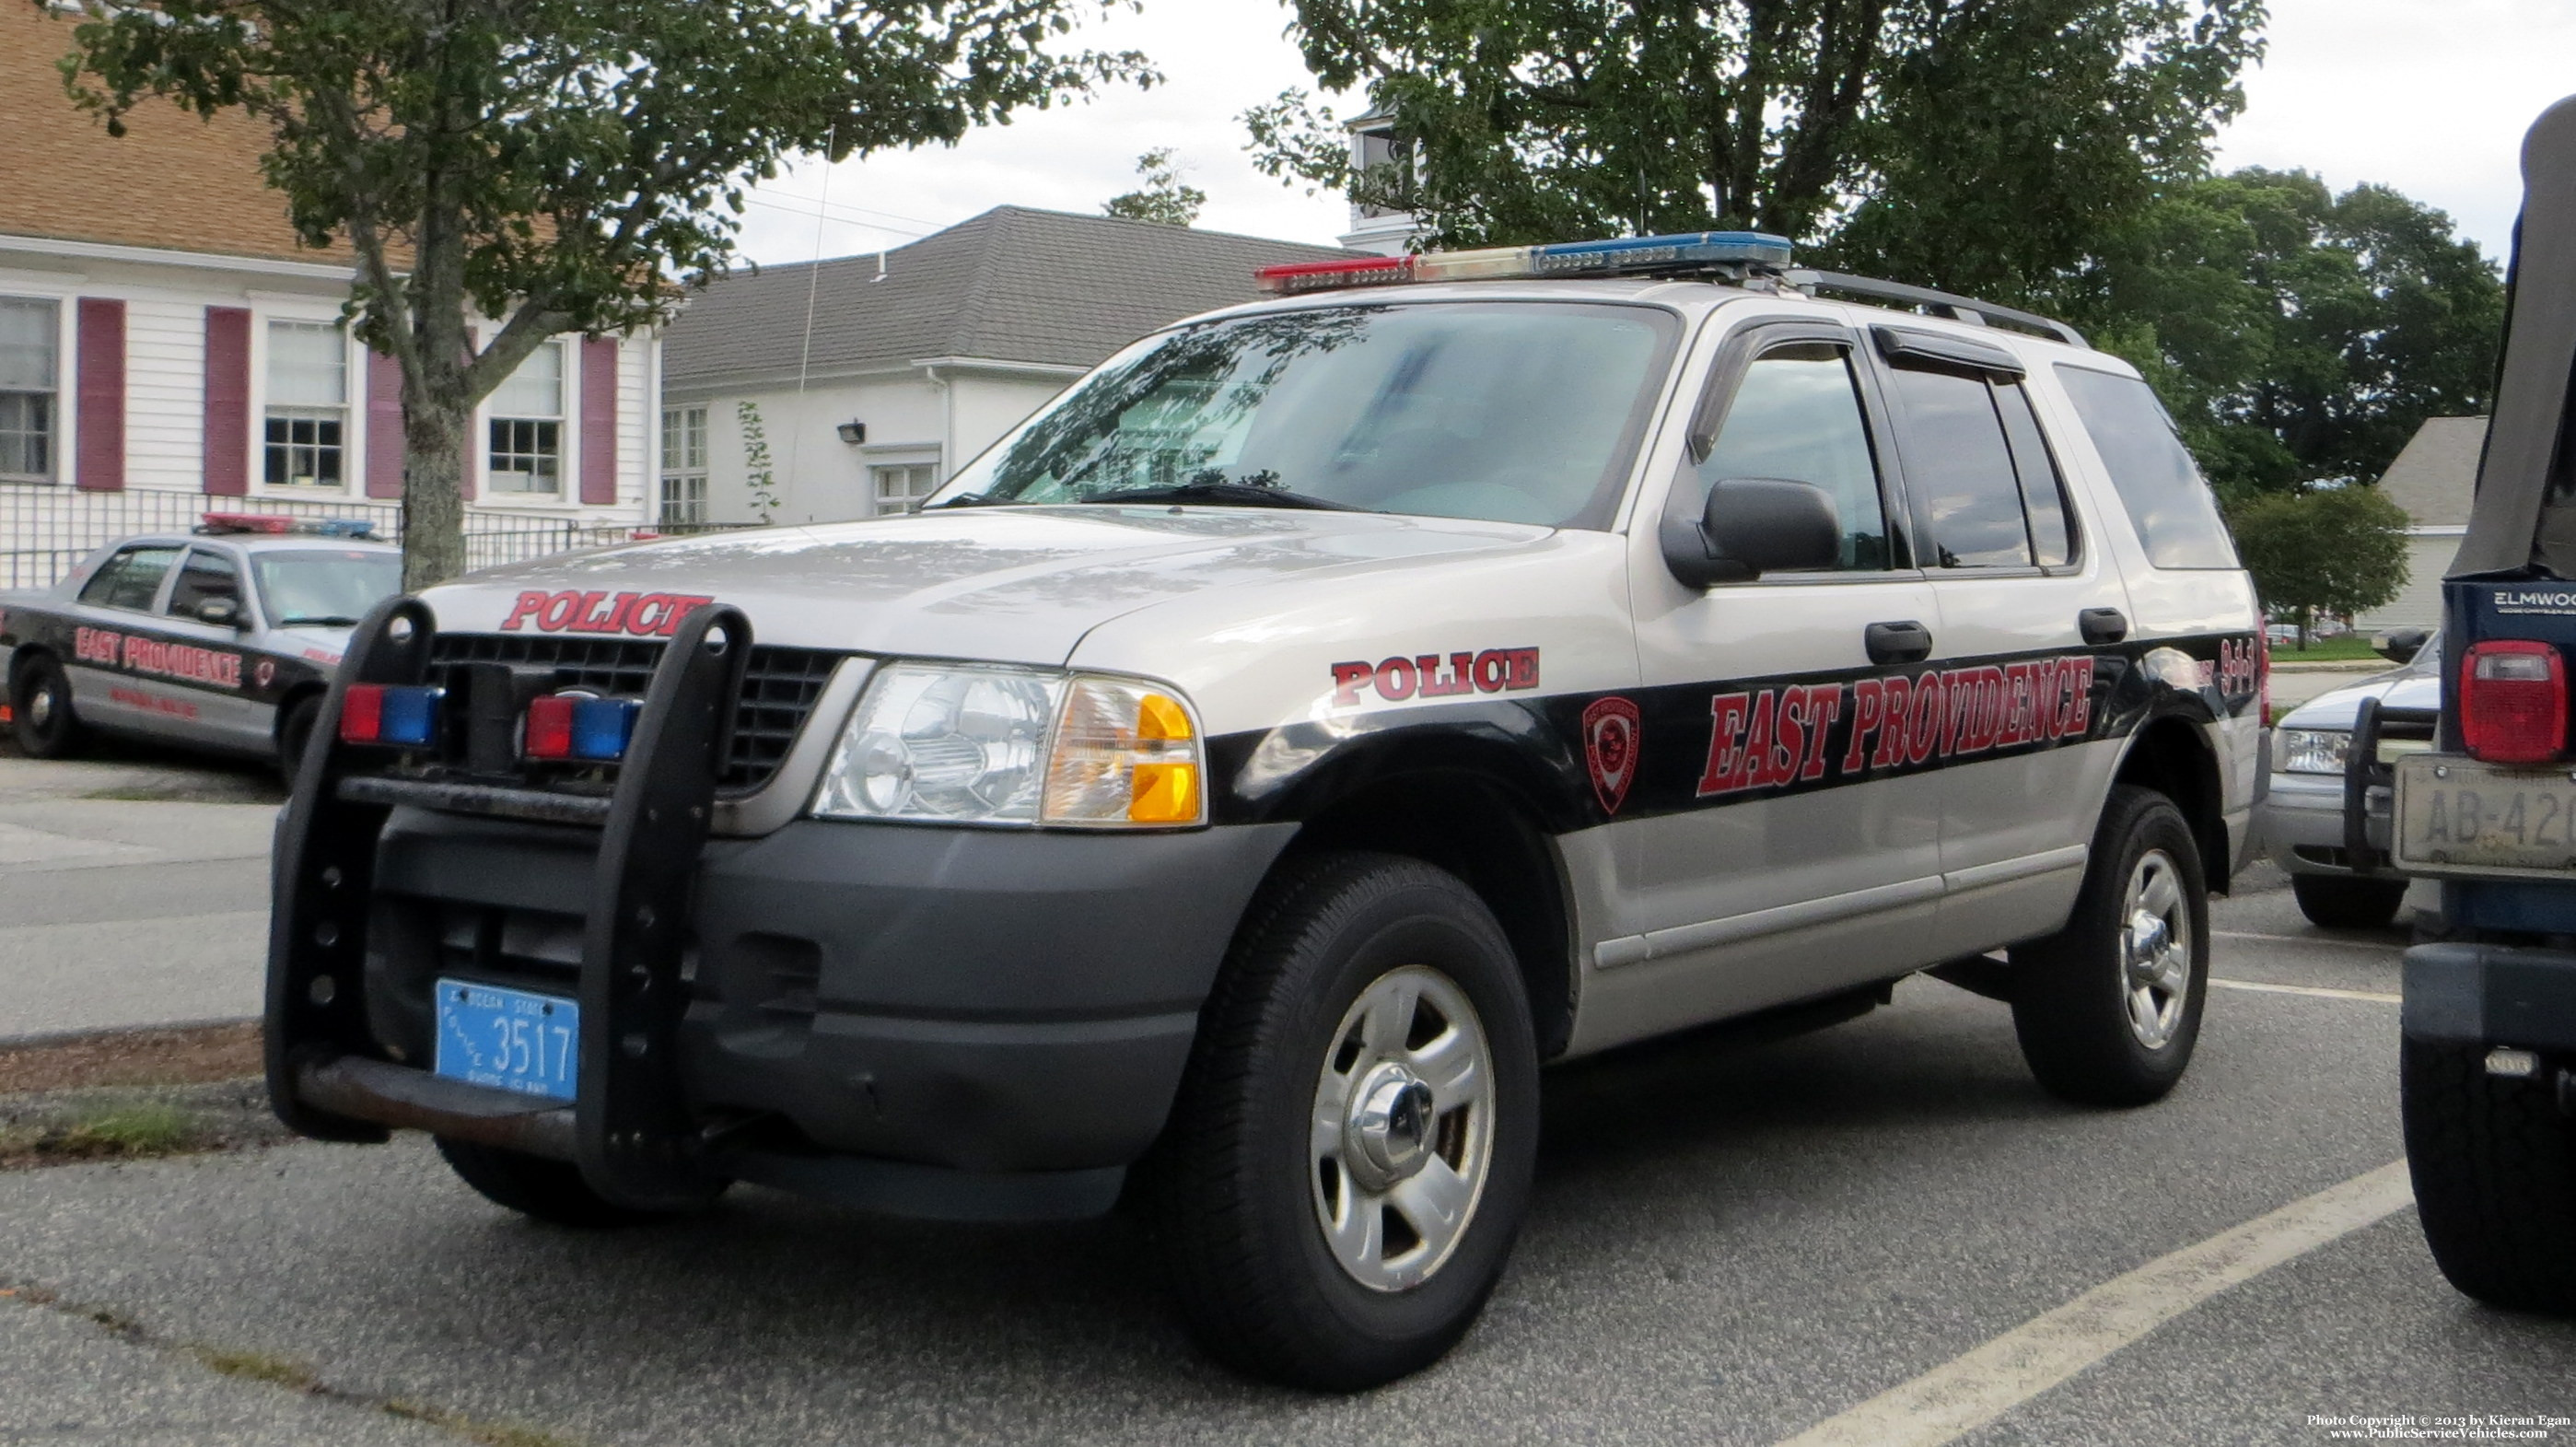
x=2108 y=1008
x=41 y=705
x=2330 y=902
x=1351 y=1153
x=2494 y=1164
x=295 y=735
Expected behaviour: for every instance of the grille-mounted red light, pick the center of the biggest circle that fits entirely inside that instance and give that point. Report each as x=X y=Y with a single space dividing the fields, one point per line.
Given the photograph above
x=2513 y=702
x=399 y=715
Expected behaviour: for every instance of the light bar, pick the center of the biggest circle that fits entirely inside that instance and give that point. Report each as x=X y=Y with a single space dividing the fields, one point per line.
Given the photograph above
x=1617 y=256
x=569 y=727
x=269 y=523
x=396 y=715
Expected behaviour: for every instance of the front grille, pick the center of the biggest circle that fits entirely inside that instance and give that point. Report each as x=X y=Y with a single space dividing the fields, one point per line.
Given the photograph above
x=779 y=686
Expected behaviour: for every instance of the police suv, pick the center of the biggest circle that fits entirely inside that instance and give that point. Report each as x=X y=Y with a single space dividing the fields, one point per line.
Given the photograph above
x=221 y=639
x=1241 y=779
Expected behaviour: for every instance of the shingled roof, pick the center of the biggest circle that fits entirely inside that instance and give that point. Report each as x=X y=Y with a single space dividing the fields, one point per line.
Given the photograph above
x=2436 y=476
x=1012 y=285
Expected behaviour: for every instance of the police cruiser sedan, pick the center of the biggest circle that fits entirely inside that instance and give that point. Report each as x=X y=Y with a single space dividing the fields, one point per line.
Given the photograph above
x=1236 y=784
x=221 y=639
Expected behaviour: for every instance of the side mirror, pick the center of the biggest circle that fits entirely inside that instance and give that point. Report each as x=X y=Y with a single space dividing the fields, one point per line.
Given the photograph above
x=222 y=612
x=1751 y=526
x=2400 y=645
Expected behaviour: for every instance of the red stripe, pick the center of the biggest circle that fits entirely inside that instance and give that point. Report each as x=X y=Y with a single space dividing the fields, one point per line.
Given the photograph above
x=99 y=450
x=384 y=426
x=599 y=420
x=227 y=457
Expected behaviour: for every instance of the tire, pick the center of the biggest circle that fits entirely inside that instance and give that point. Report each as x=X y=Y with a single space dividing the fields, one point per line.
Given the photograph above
x=2494 y=1164
x=40 y=701
x=2094 y=1030
x=295 y=733
x=549 y=1191
x=1349 y=971
x=2333 y=903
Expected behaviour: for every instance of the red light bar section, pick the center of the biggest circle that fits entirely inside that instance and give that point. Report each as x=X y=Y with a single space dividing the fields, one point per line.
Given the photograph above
x=247 y=522
x=1333 y=275
x=362 y=714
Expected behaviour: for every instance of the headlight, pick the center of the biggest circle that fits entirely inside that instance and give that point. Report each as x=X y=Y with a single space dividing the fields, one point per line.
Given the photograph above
x=960 y=744
x=2315 y=751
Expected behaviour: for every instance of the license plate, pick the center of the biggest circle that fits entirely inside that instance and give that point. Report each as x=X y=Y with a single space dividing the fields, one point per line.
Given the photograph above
x=2459 y=816
x=508 y=1039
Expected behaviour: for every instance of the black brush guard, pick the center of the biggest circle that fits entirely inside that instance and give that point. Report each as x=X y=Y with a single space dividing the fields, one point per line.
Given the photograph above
x=629 y=1130
x=2363 y=772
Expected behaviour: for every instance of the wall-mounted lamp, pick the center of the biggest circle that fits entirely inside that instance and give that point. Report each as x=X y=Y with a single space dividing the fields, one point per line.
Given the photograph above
x=853 y=433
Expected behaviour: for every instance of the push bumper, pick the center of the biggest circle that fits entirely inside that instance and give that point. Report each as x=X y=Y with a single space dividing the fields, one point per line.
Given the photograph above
x=2472 y=994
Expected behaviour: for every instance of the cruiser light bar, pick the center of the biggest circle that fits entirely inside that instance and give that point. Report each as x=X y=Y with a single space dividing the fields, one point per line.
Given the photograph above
x=1620 y=256
x=252 y=522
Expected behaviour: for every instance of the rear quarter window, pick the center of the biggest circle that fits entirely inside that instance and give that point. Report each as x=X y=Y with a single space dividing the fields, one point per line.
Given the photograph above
x=2159 y=486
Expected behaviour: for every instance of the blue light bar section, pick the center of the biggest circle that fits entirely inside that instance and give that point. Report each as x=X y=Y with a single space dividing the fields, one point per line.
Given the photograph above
x=602 y=727
x=410 y=716
x=1654 y=253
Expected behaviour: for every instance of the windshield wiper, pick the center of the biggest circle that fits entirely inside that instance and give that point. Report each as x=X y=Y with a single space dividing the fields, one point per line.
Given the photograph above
x=1215 y=487
x=972 y=499
x=318 y=620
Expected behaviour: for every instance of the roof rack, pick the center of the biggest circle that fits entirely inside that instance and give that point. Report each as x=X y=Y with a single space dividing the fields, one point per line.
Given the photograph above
x=1941 y=303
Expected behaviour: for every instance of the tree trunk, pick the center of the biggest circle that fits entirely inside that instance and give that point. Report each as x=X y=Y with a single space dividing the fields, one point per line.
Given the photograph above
x=434 y=453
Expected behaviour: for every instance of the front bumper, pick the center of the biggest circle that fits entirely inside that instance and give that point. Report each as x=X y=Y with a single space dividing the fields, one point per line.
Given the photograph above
x=2472 y=994
x=985 y=1000
x=2301 y=823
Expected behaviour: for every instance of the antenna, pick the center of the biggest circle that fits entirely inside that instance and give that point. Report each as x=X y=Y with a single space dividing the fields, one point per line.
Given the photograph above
x=813 y=283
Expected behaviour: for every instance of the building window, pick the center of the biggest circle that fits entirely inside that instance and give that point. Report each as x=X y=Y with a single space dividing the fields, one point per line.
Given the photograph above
x=684 y=464
x=902 y=486
x=29 y=336
x=526 y=415
x=308 y=405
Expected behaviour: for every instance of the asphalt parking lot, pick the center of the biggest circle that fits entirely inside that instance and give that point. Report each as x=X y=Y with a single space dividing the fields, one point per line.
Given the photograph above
x=1729 y=1245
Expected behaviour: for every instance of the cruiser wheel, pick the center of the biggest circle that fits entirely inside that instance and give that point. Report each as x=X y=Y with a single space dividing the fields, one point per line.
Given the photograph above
x=41 y=704
x=2108 y=1008
x=1350 y=1156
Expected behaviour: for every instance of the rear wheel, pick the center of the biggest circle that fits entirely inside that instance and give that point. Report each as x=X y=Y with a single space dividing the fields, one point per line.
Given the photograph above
x=2108 y=1008
x=2334 y=903
x=41 y=704
x=550 y=1191
x=296 y=734
x=2494 y=1164
x=1351 y=1154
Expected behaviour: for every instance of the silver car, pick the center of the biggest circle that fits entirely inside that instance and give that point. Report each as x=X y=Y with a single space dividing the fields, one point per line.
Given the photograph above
x=2301 y=819
x=222 y=639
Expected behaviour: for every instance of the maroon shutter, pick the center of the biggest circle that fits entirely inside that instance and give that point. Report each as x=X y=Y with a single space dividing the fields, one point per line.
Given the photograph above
x=99 y=452
x=227 y=465
x=384 y=426
x=599 y=420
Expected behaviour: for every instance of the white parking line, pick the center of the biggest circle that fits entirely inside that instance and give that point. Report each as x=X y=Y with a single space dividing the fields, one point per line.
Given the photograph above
x=2320 y=991
x=1967 y=1393
x=2332 y=944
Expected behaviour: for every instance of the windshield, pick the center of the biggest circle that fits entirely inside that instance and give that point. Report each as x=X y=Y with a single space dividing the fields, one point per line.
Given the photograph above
x=324 y=589
x=1523 y=412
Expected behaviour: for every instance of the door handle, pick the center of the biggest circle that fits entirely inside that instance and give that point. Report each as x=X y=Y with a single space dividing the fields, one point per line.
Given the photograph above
x=1905 y=642
x=2102 y=625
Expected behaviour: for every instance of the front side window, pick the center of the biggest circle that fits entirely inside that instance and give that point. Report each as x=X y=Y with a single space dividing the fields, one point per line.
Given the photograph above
x=308 y=405
x=901 y=487
x=1524 y=412
x=131 y=579
x=324 y=588
x=1797 y=416
x=30 y=336
x=1960 y=470
x=204 y=578
x=684 y=465
x=526 y=425
x=2159 y=485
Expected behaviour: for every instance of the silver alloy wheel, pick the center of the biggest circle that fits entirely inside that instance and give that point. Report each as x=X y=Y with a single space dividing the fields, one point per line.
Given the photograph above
x=2155 y=949
x=40 y=706
x=1402 y=1130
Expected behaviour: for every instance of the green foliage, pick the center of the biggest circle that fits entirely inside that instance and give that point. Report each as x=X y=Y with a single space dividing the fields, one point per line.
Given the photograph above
x=1163 y=198
x=755 y=460
x=2334 y=550
x=1943 y=142
x=551 y=165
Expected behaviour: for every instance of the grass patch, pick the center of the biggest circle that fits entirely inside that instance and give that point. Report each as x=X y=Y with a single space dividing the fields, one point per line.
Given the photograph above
x=130 y=1131
x=2343 y=648
x=258 y=1367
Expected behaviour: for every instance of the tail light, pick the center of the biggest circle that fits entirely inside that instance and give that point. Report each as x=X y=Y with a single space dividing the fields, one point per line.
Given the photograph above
x=569 y=727
x=2513 y=702
x=400 y=715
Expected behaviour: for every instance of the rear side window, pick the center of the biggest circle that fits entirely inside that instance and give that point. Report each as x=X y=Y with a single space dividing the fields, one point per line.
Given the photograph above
x=130 y=579
x=1961 y=471
x=2043 y=492
x=2168 y=503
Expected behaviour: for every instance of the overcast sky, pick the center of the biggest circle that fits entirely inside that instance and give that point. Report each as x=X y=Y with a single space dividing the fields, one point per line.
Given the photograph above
x=2428 y=96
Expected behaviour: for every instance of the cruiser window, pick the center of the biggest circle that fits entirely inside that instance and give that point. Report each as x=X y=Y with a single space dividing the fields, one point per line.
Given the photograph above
x=1960 y=471
x=1797 y=416
x=131 y=579
x=205 y=577
x=1525 y=412
x=2158 y=483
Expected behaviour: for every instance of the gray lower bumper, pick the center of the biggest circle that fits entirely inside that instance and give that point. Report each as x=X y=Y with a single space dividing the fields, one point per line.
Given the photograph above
x=2464 y=994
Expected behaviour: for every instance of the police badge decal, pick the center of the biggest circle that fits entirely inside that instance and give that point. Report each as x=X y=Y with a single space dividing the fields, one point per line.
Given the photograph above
x=1610 y=748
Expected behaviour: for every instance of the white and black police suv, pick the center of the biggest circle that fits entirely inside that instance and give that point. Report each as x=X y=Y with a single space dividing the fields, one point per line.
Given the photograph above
x=1234 y=786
